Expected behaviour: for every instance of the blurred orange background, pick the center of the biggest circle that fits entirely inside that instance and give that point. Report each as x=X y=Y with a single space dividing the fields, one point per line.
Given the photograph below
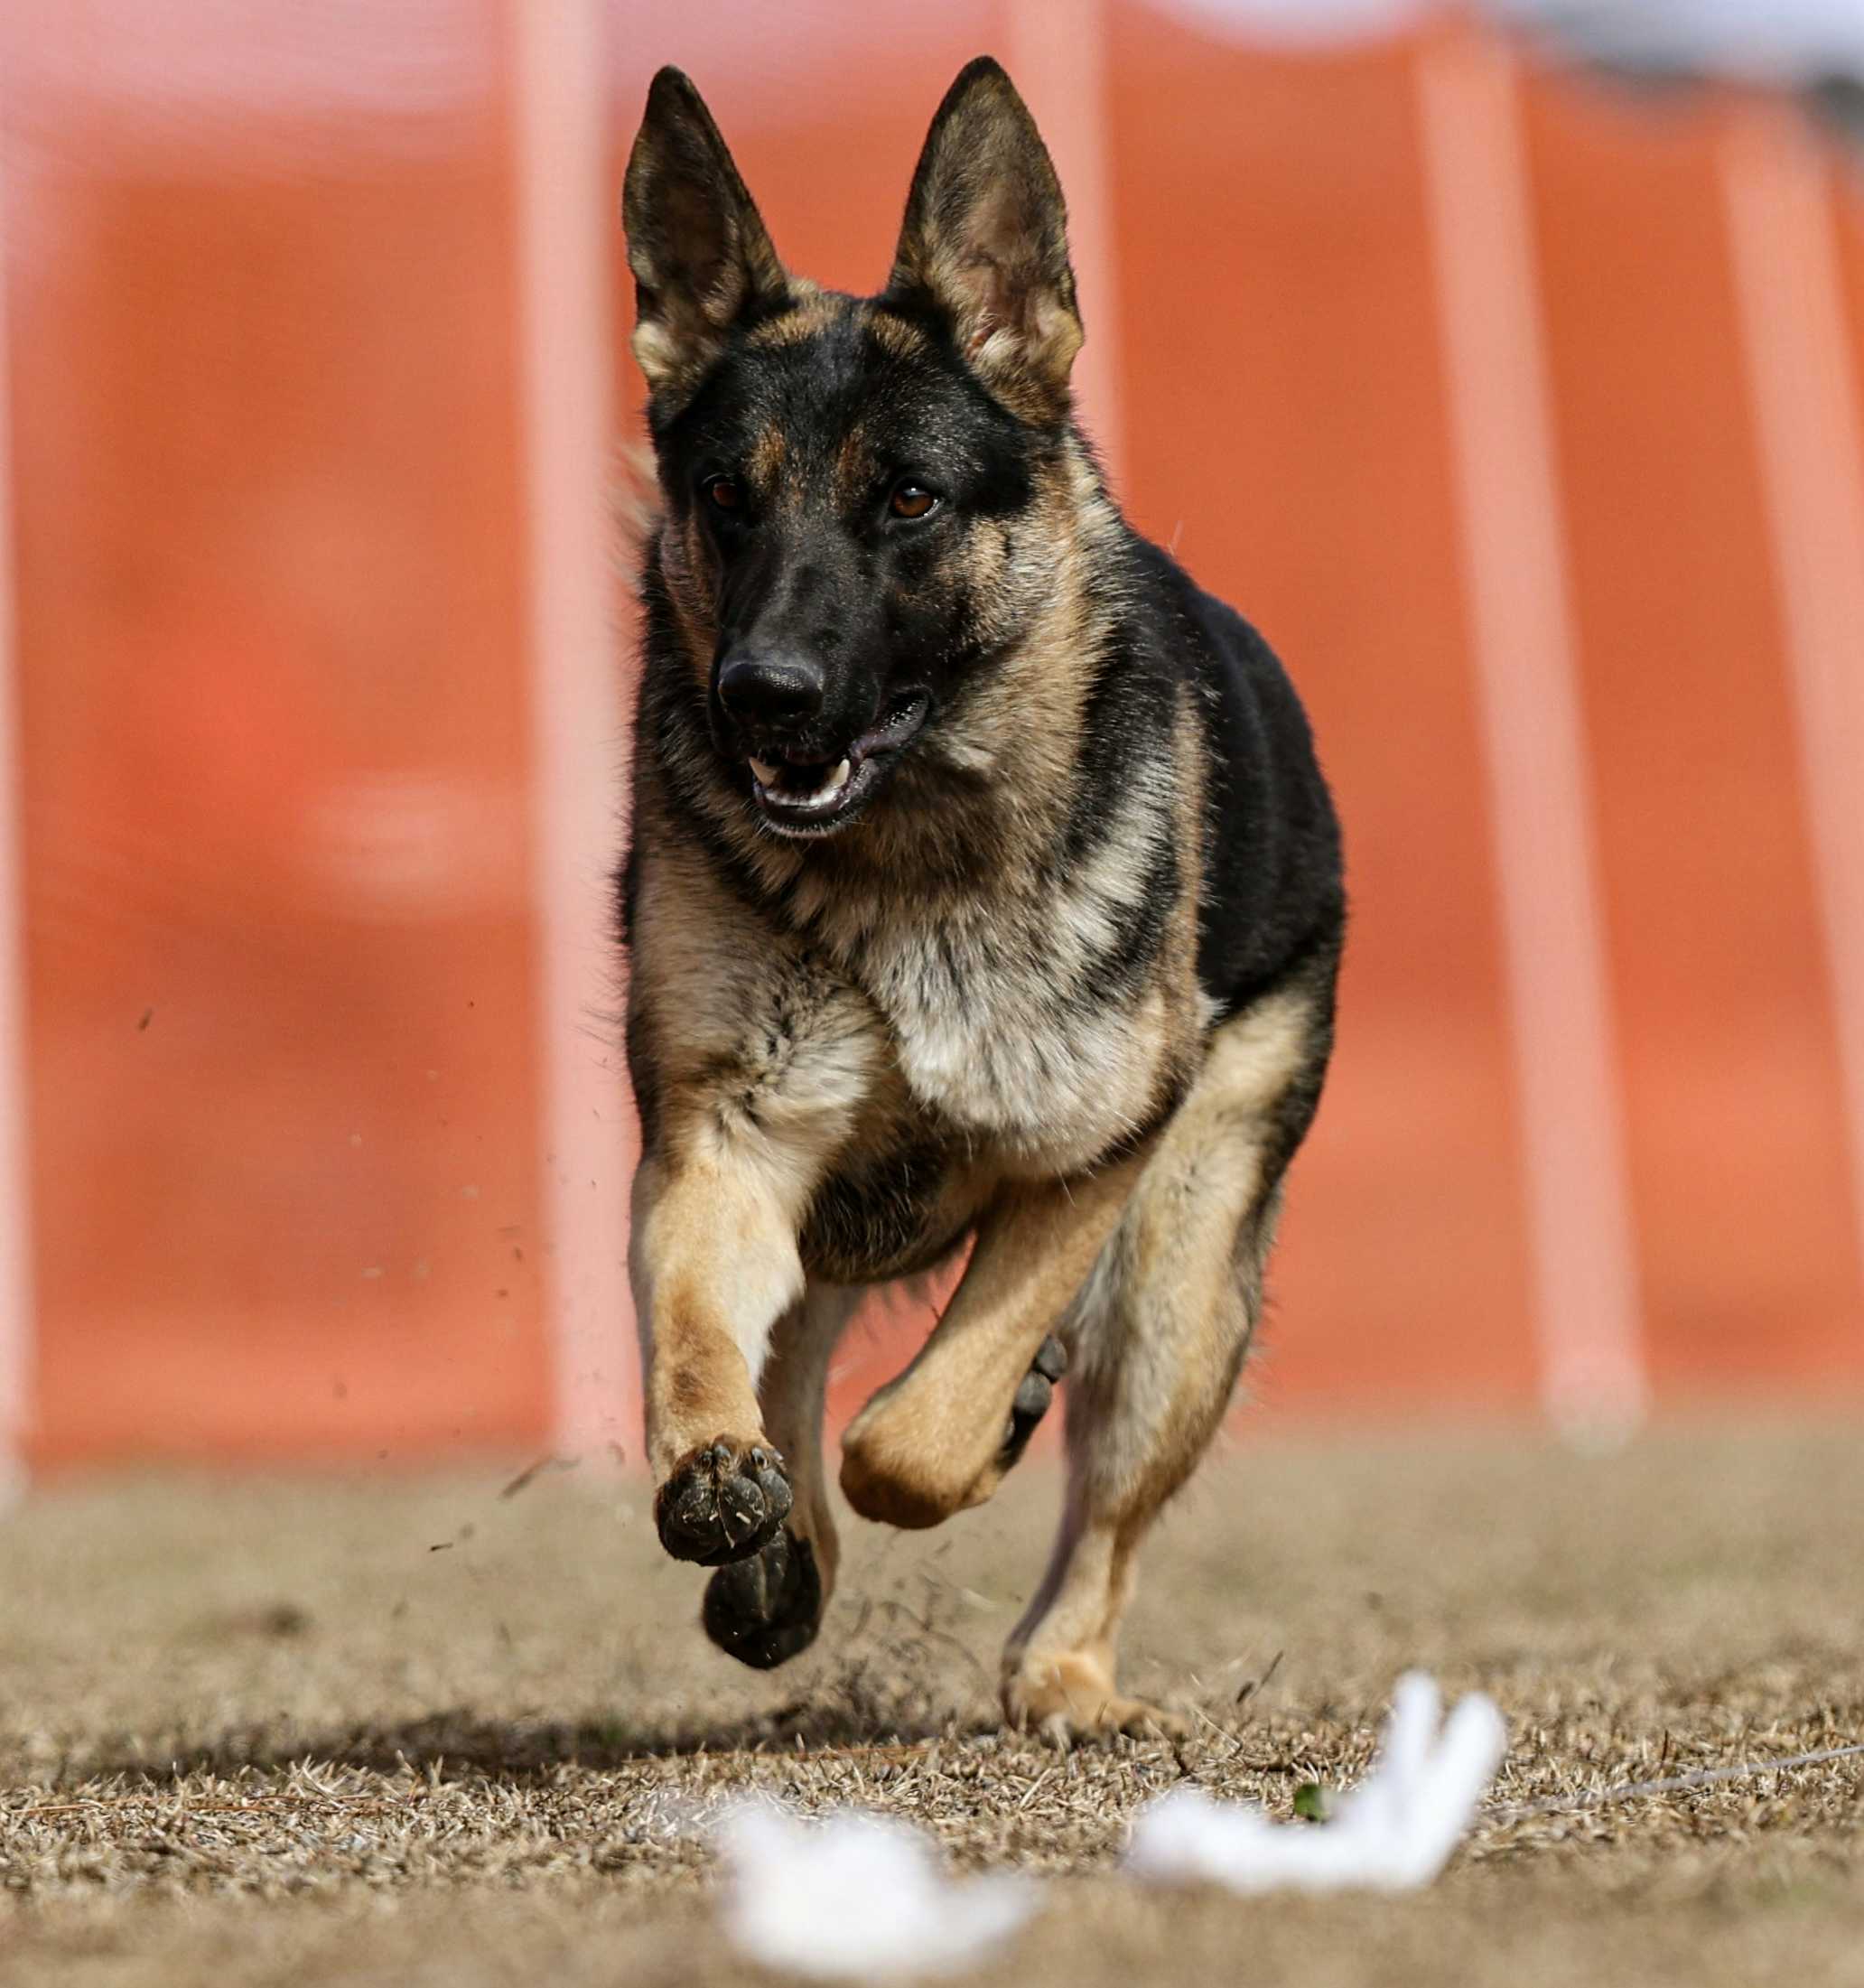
x=322 y=1147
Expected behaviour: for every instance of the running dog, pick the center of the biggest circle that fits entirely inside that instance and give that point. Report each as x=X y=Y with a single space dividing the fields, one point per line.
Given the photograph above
x=983 y=889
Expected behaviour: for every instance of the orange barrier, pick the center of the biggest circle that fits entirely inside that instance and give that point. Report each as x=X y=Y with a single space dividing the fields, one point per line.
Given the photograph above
x=289 y=1196
x=272 y=679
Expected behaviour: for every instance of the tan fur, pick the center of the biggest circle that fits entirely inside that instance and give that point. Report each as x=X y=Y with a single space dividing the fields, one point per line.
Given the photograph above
x=714 y=1261
x=894 y=334
x=768 y=453
x=855 y=1054
x=1023 y=729
x=751 y=1116
x=1158 y=1331
x=633 y=514
x=986 y=237
x=698 y=246
x=1019 y=337
x=812 y=311
x=684 y=559
x=926 y=1446
x=791 y=1394
x=1054 y=1244
x=675 y=342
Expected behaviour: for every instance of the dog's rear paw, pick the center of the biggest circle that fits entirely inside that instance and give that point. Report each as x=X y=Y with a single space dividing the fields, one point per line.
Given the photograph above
x=1034 y=1391
x=764 y=1610
x=722 y=1502
x=1072 y=1697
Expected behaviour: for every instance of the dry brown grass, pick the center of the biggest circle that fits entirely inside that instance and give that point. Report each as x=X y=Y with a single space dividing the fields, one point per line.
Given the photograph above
x=418 y=1732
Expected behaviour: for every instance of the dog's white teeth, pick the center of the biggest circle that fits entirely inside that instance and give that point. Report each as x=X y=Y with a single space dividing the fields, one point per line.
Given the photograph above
x=796 y=796
x=820 y=797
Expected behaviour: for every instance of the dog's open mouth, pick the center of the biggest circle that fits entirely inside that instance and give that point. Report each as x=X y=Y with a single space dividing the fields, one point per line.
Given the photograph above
x=803 y=792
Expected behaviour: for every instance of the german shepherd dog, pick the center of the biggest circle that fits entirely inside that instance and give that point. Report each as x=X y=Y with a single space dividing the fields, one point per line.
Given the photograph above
x=984 y=889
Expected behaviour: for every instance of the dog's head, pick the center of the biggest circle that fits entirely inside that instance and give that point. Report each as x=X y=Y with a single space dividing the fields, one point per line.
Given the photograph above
x=860 y=495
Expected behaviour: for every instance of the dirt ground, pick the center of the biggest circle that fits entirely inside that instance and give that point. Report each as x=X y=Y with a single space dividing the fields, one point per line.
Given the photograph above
x=423 y=1733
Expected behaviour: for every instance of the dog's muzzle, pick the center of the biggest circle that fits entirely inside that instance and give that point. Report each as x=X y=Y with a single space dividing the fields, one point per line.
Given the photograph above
x=800 y=790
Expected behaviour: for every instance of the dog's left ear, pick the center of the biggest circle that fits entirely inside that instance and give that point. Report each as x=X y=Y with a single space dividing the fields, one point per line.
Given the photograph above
x=986 y=243
x=701 y=258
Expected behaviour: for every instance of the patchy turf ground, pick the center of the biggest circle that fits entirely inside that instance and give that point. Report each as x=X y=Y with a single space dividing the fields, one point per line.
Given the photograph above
x=395 y=1732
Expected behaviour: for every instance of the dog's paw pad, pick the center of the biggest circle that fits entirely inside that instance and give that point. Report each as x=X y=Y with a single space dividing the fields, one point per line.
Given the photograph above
x=764 y=1610
x=722 y=1502
x=1033 y=1394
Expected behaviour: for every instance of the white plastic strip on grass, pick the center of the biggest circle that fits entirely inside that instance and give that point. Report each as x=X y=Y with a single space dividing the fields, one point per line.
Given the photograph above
x=857 y=1898
x=1671 y=1784
x=1393 y=1833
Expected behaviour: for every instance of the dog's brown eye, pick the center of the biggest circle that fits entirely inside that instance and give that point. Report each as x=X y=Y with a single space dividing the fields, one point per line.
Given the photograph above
x=912 y=501
x=726 y=492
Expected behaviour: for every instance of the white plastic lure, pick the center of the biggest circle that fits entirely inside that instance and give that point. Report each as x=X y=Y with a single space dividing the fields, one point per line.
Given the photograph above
x=1393 y=1833
x=856 y=1896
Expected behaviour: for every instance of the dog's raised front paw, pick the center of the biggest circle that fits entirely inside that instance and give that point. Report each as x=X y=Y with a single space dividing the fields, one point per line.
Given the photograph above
x=722 y=1502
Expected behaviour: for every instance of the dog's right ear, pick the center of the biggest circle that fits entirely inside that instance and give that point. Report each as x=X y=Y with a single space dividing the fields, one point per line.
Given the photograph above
x=700 y=256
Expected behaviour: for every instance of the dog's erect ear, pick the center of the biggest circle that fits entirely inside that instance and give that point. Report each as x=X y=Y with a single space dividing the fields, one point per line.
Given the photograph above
x=700 y=254
x=985 y=241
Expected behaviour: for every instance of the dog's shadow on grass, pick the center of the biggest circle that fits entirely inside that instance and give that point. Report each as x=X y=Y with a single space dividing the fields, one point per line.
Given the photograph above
x=894 y=1696
x=460 y=1745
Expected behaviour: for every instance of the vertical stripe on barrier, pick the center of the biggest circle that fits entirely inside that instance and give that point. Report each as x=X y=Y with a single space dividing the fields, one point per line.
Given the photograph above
x=566 y=223
x=16 y=1313
x=1585 y=1294
x=1776 y=183
x=1056 y=57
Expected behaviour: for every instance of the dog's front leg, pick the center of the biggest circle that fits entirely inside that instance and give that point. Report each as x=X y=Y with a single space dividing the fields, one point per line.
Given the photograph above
x=714 y=1264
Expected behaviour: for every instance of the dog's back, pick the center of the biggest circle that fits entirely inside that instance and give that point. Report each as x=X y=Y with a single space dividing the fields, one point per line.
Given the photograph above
x=1272 y=895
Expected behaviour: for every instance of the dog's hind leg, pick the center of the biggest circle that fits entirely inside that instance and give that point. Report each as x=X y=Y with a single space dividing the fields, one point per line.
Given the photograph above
x=765 y=1609
x=940 y=1436
x=1159 y=1332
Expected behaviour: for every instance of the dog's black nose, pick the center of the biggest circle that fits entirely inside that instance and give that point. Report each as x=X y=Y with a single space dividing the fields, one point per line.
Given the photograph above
x=771 y=689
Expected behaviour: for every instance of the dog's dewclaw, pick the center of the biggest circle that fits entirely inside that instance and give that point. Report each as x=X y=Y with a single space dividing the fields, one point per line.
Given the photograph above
x=1033 y=1394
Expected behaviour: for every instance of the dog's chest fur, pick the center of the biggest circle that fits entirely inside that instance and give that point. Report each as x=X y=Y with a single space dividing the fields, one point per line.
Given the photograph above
x=978 y=1074
x=981 y=1069
x=989 y=1042
x=1027 y=1019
